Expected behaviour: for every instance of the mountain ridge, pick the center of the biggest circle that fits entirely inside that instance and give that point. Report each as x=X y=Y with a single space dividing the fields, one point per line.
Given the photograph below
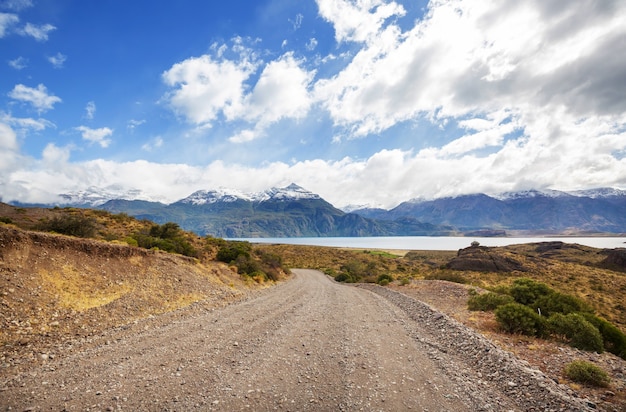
x=293 y=211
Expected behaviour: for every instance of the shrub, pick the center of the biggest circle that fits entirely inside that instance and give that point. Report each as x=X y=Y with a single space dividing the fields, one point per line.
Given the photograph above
x=614 y=339
x=6 y=220
x=517 y=318
x=168 y=237
x=557 y=302
x=404 y=281
x=587 y=373
x=488 y=301
x=575 y=330
x=384 y=279
x=527 y=291
x=344 y=277
x=71 y=225
x=232 y=250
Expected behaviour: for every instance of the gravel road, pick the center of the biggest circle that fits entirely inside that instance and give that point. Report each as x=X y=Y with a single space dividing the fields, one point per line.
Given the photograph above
x=307 y=344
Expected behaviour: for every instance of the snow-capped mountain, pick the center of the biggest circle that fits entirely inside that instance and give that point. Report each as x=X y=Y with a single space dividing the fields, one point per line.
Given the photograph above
x=291 y=192
x=203 y=197
x=525 y=194
x=599 y=193
x=94 y=197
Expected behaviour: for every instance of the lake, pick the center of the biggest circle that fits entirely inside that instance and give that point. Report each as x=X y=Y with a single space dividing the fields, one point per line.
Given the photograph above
x=435 y=242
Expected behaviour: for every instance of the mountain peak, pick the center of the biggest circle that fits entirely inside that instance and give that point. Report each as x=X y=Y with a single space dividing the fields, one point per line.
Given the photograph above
x=291 y=192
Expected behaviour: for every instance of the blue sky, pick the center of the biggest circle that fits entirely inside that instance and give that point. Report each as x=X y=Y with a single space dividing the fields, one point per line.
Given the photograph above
x=361 y=101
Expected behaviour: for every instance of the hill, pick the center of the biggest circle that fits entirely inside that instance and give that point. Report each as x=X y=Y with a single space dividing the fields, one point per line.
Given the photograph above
x=57 y=289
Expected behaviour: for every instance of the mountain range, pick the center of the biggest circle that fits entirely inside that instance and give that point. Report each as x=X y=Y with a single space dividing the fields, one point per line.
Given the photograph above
x=295 y=212
x=555 y=212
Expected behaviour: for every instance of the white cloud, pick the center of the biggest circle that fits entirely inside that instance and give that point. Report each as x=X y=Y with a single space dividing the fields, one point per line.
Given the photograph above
x=205 y=87
x=297 y=22
x=58 y=60
x=99 y=136
x=18 y=63
x=90 y=110
x=497 y=56
x=281 y=92
x=37 y=97
x=312 y=44
x=26 y=124
x=153 y=144
x=132 y=124
x=8 y=139
x=39 y=33
x=7 y=20
x=16 y=5
x=358 y=21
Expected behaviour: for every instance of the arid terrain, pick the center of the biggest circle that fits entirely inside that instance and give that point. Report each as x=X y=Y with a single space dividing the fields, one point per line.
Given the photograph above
x=96 y=325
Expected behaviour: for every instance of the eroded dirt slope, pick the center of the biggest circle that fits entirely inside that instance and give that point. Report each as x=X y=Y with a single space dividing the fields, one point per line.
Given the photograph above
x=57 y=291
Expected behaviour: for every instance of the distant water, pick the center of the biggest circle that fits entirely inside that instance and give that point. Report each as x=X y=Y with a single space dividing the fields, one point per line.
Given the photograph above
x=435 y=242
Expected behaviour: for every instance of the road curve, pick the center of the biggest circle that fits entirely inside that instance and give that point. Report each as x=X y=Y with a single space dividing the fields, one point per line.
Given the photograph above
x=307 y=344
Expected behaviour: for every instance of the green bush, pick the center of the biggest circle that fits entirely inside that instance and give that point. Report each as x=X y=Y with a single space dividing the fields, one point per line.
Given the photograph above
x=614 y=339
x=575 y=330
x=71 y=225
x=488 y=301
x=384 y=279
x=557 y=302
x=344 y=277
x=517 y=318
x=6 y=220
x=527 y=291
x=230 y=251
x=587 y=373
x=168 y=237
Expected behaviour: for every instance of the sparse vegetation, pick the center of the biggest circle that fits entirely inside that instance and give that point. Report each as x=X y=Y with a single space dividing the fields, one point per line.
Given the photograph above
x=587 y=373
x=539 y=310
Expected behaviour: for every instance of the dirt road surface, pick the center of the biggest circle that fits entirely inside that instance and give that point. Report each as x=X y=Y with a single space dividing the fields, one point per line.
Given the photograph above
x=307 y=344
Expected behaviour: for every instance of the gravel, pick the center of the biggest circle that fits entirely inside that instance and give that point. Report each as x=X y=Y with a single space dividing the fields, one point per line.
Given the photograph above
x=307 y=344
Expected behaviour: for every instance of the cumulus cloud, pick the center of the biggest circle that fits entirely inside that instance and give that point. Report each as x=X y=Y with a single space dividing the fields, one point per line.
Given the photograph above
x=280 y=92
x=207 y=87
x=37 y=97
x=99 y=136
x=8 y=139
x=358 y=21
x=499 y=55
